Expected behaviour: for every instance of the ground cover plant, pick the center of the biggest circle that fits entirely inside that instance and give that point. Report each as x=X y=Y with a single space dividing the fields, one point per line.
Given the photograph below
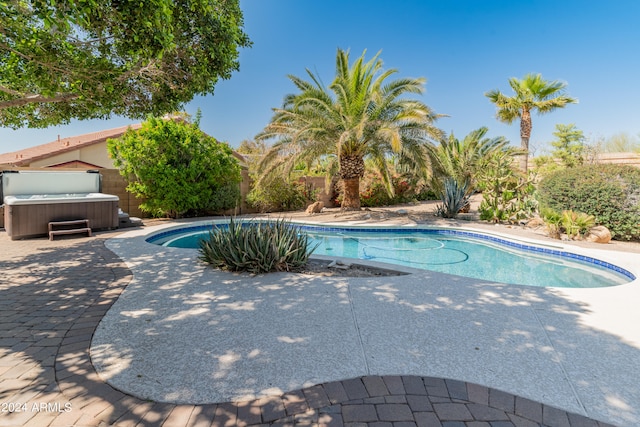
x=610 y=193
x=256 y=247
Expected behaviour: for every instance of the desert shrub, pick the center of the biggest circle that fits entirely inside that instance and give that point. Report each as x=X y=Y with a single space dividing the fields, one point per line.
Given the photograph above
x=373 y=191
x=610 y=193
x=256 y=247
x=278 y=194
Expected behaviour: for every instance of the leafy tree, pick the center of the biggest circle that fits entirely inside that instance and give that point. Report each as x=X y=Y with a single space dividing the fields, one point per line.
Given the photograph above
x=176 y=168
x=569 y=145
x=532 y=93
x=360 y=115
x=93 y=58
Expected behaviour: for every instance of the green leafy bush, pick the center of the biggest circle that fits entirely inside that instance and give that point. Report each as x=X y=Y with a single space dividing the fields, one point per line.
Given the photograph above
x=256 y=247
x=611 y=193
x=176 y=168
x=277 y=194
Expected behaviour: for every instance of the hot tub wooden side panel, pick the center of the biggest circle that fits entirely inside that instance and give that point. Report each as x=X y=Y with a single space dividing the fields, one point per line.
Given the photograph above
x=31 y=220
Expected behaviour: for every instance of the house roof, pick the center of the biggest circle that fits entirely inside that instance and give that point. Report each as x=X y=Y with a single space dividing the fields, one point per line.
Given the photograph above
x=29 y=155
x=62 y=145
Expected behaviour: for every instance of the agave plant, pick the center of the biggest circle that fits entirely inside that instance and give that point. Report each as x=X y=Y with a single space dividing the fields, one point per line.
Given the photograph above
x=454 y=197
x=256 y=247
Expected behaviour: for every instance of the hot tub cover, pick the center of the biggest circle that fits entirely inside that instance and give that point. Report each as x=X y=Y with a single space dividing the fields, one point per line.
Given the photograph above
x=35 y=199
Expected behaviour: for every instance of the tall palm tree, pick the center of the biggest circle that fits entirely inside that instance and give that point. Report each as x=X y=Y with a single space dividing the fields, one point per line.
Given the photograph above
x=532 y=93
x=360 y=115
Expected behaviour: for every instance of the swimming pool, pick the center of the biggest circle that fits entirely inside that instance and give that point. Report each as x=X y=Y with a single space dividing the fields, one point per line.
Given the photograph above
x=451 y=251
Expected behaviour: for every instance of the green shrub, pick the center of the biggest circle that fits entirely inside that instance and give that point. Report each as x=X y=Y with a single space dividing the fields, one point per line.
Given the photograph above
x=611 y=193
x=573 y=224
x=576 y=224
x=256 y=247
x=176 y=168
x=278 y=194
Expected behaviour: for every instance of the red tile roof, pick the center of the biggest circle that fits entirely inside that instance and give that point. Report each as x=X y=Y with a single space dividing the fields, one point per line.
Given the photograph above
x=28 y=155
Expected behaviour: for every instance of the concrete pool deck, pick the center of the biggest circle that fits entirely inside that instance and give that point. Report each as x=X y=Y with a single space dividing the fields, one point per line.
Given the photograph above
x=362 y=350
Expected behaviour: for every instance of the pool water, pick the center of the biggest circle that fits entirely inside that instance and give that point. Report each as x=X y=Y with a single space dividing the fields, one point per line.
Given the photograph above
x=460 y=253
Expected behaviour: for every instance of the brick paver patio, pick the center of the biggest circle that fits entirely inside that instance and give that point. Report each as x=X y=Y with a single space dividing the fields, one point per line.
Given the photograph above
x=54 y=294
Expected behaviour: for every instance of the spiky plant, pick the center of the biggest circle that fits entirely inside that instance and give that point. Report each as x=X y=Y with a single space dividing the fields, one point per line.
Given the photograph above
x=576 y=224
x=256 y=247
x=454 y=197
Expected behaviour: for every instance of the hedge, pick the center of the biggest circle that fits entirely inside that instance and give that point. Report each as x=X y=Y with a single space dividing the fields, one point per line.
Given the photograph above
x=611 y=193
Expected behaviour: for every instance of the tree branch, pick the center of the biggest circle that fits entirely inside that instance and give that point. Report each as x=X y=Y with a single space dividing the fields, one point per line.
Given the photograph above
x=35 y=99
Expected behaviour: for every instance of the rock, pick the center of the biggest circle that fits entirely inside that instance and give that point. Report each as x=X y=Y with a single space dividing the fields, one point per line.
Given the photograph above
x=535 y=222
x=339 y=264
x=315 y=208
x=402 y=212
x=598 y=234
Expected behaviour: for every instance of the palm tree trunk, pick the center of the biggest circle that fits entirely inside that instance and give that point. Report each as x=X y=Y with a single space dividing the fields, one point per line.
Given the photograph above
x=351 y=170
x=351 y=196
x=525 y=134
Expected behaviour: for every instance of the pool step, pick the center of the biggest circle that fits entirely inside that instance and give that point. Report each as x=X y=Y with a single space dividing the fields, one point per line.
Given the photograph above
x=55 y=231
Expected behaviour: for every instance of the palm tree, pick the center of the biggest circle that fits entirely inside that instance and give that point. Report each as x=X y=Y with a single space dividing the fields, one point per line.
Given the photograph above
x=462 y=159
x=360 y=115
x=531 y=93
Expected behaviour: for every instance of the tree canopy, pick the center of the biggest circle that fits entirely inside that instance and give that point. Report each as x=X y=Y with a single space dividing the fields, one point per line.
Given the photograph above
x=532 y=93
x=93 y=58
x=569 y=145
x=362 y=114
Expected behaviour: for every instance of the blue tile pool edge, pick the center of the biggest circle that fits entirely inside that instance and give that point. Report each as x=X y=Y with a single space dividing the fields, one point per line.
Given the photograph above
x=475 y=235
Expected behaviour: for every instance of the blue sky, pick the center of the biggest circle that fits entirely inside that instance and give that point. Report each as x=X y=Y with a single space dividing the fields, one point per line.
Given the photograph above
x=462 y=47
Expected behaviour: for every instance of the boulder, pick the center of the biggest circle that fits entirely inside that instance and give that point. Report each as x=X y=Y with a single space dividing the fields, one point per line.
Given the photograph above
x=598 y=234
x=315 y=208
x=535 y=222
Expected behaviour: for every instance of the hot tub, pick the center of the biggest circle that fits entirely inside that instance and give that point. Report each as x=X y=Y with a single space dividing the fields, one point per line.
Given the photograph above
x=32 y=199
